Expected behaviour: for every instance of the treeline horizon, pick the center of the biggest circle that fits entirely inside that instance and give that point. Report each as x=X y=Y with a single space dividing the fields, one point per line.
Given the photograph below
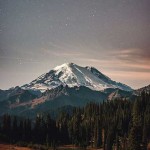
x=119 y=124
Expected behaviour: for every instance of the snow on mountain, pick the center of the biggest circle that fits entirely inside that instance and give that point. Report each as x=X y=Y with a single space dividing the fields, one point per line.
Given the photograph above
x=73 y=75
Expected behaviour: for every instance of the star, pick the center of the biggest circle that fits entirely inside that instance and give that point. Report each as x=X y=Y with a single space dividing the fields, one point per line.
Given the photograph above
x=68 y=18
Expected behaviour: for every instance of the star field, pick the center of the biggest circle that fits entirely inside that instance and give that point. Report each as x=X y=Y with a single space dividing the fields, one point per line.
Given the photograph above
x=113 y=36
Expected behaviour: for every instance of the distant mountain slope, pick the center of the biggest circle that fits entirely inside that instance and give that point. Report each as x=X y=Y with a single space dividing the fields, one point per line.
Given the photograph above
x=119 y=94
x=143 y=89
x=73 y=75
x=49 y=100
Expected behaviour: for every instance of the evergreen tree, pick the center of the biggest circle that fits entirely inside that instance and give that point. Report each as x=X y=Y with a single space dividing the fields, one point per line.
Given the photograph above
x=136 y=129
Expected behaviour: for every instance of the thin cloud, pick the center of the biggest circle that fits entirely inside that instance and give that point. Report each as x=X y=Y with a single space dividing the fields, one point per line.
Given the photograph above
x=20 y=59
x=128 y=60
x=62 y=49
x=132 y=55
x=65 y=53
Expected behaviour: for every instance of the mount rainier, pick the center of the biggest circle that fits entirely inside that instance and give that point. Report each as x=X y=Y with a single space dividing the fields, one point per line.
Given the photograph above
x=67 y=85
x=73 y=75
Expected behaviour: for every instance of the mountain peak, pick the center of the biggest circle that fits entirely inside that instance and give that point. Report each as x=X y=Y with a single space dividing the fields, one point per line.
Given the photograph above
x=73 y=75
x=65 y=65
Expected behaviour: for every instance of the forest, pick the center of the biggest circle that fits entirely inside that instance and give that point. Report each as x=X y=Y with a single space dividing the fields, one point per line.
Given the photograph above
x=120 y=124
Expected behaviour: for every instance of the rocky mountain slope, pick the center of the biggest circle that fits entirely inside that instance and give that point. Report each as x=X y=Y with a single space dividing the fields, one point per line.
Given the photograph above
x=66 y=85
x=73 y=75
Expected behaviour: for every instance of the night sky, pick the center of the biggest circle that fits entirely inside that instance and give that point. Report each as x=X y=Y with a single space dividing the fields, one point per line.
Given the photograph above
x=111 y=35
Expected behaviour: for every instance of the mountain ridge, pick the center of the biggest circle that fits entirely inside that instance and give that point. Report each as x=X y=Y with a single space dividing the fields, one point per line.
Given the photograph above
x=73 y=75
x=65 y=85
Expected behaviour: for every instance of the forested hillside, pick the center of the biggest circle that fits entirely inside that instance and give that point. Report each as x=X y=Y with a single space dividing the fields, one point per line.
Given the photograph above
x=118 y=124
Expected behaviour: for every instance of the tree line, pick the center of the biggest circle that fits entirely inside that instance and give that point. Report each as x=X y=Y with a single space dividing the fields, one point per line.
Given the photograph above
x=118 y=124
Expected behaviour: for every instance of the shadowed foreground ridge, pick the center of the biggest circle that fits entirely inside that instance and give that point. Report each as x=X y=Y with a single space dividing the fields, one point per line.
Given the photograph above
x=119 y=124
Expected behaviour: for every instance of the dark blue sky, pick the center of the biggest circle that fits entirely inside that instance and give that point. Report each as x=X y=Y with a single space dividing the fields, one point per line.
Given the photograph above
x=111 y=35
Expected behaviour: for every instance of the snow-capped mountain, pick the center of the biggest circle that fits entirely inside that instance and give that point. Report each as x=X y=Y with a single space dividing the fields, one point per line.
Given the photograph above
x=68 y=85
x=72 y=75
